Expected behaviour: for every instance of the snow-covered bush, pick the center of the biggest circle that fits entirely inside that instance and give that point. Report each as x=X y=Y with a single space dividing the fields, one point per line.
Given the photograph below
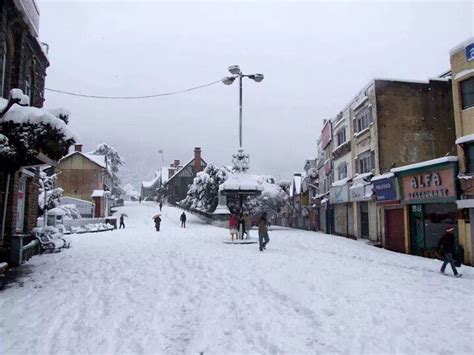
x=70 y=211
x=204 y=191
x=28 y=131
x=49 y=194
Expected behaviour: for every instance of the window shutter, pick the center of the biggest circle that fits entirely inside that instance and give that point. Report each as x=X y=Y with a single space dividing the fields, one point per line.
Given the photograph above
x=372 y=161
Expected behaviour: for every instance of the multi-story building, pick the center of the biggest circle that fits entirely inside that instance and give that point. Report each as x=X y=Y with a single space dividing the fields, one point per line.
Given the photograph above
x=390 y=123
x=23 y=63
x=23 y=58
x=342 y=167
x=325 y=172
x=462 y=71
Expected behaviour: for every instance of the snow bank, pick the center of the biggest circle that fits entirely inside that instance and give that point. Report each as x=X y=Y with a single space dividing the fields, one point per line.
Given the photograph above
x=241 y=181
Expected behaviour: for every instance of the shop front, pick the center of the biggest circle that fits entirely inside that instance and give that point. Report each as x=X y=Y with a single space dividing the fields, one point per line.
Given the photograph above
x=429 y=191
x=339 y=198
x=390 y=213
x=361 y=194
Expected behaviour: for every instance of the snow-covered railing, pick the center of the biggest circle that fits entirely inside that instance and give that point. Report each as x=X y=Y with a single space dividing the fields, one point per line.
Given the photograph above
x=87 y=225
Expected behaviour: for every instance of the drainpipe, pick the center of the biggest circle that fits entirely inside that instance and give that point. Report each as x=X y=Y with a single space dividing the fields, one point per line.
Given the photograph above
x=5 y=205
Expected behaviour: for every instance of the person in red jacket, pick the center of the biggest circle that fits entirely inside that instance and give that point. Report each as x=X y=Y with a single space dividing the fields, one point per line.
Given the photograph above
x=233 y=225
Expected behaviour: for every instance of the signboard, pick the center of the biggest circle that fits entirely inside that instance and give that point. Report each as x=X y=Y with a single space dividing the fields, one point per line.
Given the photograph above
x=326 y=134
x=339 y=194
x=470 y=52
x=361 y=192
x=434 y=185
x=385 y=189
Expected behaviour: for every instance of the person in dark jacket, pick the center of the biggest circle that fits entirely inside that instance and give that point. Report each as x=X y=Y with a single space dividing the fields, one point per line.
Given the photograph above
x=183 y=220
x=446 y=244
x=122 y=224
x=263 y=238
x=161 y=205
x=241 y=226
x=157 y=220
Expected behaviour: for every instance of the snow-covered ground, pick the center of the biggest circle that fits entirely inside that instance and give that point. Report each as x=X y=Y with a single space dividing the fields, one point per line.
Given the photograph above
x=184 y=291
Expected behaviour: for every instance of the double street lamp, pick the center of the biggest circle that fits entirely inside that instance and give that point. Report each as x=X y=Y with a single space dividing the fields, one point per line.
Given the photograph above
x=237 y=73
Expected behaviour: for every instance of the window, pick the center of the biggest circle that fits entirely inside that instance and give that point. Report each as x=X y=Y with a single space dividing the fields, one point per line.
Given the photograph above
x=467 y=93
x=362 y=120
x=341 y=136
x=342 y=171
x=469 y=151
x=366 y=163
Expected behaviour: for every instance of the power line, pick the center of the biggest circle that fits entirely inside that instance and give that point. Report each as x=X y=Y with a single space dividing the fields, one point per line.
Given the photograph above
x=132 y=97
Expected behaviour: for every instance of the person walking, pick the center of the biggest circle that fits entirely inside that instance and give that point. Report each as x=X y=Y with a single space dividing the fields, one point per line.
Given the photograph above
x=161 y=205
x=446 y=245
x=233 y=225
x=140 y=199
x=183 y=220
x=248 y=224
x=263 y=238
x=241 y=226
x=157 y=220
x=122 y=224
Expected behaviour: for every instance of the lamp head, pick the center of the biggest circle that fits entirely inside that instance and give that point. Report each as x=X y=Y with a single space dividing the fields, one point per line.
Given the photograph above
x=235 y=70
x=257 y=77
x=228 y=80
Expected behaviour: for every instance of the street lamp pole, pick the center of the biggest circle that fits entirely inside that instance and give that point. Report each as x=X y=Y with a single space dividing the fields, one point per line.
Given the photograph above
x=240 y=110
x=237 y=73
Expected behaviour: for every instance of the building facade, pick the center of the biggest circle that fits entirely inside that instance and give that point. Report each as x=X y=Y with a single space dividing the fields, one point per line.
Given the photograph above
x=81 y=174
x=177 y=185
x=462 y=71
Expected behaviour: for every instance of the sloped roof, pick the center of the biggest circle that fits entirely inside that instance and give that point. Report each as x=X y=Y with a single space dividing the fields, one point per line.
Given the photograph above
x=96 y=159
x=151 y=183
x=182 y=168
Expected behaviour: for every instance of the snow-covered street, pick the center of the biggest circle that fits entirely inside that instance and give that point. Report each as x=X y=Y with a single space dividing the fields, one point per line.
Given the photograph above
x=184 y=291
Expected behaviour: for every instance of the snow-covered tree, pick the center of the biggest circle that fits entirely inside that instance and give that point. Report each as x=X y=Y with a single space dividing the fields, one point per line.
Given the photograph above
x=204 y=191
x=49 y=195
x=114 y=161
x=271 y=200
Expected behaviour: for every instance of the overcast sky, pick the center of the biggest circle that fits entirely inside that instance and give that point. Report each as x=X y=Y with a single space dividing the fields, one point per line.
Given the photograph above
x=315 y=56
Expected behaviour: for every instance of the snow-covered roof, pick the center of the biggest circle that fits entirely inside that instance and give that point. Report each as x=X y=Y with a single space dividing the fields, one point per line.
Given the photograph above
x=461 y=46
x=341 y=182
x=56 y=211
x=241 y=181
x=425 y=163
x=360 y=177
x=463 y=74
x=203 y=163
x=383 y=176
x=465 y=139
x=98 y=159
x=28 y=114
x=98 y=193
x=151 y=183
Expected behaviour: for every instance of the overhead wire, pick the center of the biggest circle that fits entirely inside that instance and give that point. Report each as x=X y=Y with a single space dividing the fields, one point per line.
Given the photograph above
x=132 y=97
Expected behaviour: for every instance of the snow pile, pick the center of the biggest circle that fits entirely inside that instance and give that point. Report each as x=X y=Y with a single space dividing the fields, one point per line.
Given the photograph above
x=23 y=115
x=70 y=211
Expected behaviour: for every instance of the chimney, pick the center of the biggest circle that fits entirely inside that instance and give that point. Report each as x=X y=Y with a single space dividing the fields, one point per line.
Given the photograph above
x=78 y=148
x=176 y=163
x=197 y=160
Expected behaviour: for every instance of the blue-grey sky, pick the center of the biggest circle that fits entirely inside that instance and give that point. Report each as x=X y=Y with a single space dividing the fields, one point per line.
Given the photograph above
x=315 y=57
